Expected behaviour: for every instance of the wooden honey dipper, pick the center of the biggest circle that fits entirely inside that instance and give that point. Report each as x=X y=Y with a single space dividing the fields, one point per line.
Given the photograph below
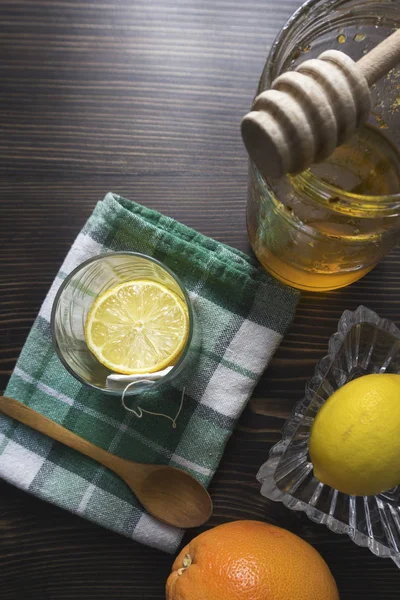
x=312 y=110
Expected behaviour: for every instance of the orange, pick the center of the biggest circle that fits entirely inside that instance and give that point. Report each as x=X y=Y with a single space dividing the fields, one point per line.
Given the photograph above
x=250 y=560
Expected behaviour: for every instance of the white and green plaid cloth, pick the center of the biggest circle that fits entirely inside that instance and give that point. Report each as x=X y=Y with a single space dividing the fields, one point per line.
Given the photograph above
x=243 y=314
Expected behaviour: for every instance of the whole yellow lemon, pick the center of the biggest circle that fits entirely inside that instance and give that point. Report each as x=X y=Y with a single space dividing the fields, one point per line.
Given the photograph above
x=355 y=438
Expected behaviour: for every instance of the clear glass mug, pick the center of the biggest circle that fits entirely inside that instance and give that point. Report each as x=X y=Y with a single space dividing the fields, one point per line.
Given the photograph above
x=75 y=297
x=329 y=226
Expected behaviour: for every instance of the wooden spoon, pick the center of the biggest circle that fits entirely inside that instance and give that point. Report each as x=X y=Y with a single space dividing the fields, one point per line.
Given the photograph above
x=168 y=494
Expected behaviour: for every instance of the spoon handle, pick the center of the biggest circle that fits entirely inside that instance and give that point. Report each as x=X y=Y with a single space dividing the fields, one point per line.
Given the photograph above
x=40 y=423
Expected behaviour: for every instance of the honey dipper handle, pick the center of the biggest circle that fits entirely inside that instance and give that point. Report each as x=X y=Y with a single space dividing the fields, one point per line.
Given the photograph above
x=381 y=59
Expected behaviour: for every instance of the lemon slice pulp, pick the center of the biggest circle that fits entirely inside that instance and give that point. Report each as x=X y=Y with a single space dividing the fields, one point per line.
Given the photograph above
x=137 y=327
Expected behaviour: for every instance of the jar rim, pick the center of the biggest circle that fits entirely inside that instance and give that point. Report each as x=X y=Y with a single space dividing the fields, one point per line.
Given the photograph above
x=389 y=202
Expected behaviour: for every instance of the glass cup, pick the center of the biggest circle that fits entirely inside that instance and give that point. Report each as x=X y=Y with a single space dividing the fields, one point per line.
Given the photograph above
x=75 y=297
x=330 y=225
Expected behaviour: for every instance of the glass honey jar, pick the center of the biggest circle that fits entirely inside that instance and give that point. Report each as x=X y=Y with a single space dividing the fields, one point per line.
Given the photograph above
x=328 y=226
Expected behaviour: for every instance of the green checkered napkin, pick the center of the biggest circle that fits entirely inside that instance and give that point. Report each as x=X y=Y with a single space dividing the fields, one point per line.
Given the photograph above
x=243 y=314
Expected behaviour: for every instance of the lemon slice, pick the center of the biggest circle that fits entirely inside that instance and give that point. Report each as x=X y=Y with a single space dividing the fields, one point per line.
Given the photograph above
x=137 y=327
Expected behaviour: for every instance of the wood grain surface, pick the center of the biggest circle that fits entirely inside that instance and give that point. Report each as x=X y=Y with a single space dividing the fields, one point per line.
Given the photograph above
x=144 y=98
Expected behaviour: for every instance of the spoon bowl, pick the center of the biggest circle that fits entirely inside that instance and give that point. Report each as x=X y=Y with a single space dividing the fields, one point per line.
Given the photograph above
x=162 y=493
x=169 y=494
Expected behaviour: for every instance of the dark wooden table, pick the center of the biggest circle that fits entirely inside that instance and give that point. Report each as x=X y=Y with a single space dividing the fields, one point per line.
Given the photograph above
x=144 y=98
